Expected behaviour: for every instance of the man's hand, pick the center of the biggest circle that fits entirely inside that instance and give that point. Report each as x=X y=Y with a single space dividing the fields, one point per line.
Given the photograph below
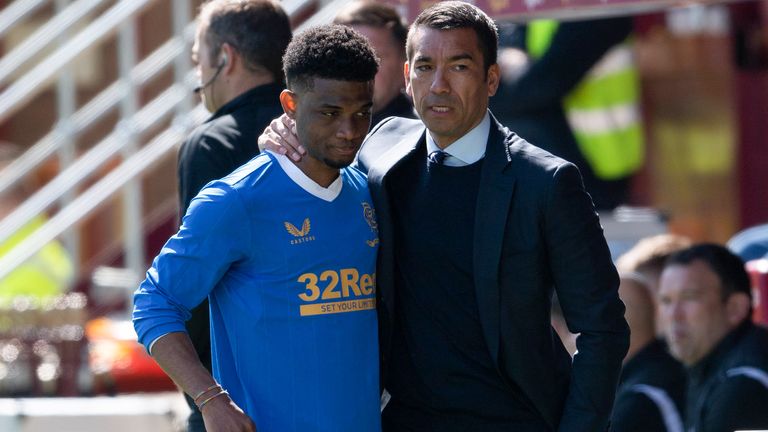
x=175 y=354
x=280 y=137
x=223 y=415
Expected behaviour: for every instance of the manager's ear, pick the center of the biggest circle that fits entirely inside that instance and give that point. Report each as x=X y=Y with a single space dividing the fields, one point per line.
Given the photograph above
x=407 y=77
x=289 y=100
x=492 y=78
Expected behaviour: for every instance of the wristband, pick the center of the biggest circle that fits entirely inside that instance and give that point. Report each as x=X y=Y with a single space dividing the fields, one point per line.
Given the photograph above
x=202 y=404
x=206 y=391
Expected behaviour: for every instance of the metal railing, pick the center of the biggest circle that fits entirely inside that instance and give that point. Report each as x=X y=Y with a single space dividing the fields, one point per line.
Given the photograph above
x=174 y=103
x=33 y=45
x=37 y=79
x=123 y=95
x=98 y=194
x=95 y=109
x=123 y=140
x=16 y=12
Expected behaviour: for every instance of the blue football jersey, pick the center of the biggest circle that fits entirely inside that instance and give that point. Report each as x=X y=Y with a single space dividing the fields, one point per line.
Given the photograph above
x=289 y=269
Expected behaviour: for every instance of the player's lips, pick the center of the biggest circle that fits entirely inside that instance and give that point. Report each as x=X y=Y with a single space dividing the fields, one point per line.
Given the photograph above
x=346 y=150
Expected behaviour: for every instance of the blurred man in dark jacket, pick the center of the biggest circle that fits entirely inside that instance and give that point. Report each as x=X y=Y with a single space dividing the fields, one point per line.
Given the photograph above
x=706 y=304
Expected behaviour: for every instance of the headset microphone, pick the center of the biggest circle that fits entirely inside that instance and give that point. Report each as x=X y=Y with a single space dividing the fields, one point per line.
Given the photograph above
x=201 y=87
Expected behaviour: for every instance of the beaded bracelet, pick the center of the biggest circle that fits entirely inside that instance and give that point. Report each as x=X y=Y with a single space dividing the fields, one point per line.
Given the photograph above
x=202 y=404
x=206 y=391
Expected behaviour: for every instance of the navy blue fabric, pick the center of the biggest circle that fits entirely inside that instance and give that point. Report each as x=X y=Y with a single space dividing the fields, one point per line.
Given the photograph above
x=439 y=324
x=535 y=232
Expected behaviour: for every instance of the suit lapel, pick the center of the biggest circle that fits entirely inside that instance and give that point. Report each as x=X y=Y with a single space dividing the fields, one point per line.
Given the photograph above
x=403 y=145
x=494 y=197
x=377 y=179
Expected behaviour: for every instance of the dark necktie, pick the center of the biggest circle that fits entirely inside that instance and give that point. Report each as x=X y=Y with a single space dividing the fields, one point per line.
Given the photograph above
x=438 y=157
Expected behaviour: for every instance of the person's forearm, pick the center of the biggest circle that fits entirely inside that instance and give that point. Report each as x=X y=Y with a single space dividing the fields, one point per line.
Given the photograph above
x=176 y=355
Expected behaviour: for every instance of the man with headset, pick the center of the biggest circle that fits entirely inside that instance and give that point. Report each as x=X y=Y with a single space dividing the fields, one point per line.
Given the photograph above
x=238 y=53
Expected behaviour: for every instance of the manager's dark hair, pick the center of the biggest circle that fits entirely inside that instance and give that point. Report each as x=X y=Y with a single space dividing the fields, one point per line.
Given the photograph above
x=378 y=15
x=258 y=30
x=330 y=52
x=450 y=15
x=728 y=267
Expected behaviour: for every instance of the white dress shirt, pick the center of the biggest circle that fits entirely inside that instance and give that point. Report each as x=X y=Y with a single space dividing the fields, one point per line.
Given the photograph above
x=466 y=150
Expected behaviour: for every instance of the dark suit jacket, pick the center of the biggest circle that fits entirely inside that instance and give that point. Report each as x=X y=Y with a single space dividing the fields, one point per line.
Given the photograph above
x=535 y=231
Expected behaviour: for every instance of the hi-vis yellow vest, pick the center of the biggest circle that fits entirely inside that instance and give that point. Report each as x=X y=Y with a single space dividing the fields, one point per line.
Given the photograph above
x=48 y=273
x=603 y=109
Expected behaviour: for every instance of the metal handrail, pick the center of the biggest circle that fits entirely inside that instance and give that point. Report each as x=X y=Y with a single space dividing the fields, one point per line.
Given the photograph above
x=103 y=102
x=97 y=195
x=145 y=119
x=36 y=80
x=98 y=107
x=42 y=37
x=183 y=24
x=129 y=169
x=16 y=12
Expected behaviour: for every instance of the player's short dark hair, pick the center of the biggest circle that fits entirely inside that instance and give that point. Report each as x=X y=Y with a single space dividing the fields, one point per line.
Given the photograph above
x=332 y=51
x=257 y=29
x=451 y=15
x=378 y=15
x=728 y=267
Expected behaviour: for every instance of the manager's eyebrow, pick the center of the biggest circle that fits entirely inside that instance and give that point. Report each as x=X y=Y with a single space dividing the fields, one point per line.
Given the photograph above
x=462 y=56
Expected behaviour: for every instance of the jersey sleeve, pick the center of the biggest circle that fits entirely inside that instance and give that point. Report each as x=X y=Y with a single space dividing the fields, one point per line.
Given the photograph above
x=214 y=235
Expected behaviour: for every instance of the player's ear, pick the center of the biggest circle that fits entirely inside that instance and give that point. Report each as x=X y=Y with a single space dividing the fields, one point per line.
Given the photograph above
x=289 y=100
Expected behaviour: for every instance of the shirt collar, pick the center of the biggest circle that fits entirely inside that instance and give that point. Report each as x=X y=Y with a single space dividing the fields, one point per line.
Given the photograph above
x=328 y=194
x=468 y=149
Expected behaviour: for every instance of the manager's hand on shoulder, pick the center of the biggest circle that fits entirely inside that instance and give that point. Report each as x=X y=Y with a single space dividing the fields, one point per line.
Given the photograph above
x=223 y=415
x=280 y=137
